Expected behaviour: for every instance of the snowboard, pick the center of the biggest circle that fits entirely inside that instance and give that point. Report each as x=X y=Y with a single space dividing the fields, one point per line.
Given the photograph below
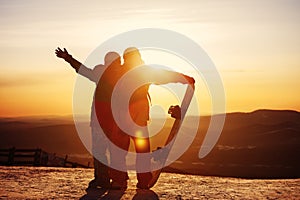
x=178 y=113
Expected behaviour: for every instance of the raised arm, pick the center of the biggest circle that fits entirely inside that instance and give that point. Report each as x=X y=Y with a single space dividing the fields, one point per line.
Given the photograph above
x=78 y=66
x=68 y=58
x=165 y=76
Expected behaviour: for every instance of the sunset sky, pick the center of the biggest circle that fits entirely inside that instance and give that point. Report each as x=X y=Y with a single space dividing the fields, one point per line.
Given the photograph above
x=255 y=46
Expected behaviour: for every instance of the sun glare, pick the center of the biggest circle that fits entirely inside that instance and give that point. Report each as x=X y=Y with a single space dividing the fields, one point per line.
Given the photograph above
x=140 y=142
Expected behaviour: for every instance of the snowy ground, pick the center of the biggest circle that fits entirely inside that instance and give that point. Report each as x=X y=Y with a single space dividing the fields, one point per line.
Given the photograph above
x=68 y=183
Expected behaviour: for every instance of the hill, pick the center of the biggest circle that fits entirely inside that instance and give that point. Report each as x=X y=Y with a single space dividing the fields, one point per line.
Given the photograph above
x=52 y=134
x=260 y=144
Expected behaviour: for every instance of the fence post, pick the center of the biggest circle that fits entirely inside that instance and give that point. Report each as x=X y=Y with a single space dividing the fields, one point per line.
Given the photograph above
x=37 y=157
x=65 y=161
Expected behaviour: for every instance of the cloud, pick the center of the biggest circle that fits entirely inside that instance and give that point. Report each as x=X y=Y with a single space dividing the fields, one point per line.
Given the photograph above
x=33 y=79
x=20 y=81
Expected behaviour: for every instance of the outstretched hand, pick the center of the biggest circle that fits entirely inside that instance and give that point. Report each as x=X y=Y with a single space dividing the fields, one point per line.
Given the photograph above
x=61 y=53
x=191 y=80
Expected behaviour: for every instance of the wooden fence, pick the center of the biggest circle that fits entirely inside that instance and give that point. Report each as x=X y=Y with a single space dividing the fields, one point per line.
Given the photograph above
x=35 y=157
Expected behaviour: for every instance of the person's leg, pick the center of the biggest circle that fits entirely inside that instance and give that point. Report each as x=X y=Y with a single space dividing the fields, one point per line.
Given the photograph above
x=118 y=170
x=139 y=112
x=99 y=147
x=143 y=162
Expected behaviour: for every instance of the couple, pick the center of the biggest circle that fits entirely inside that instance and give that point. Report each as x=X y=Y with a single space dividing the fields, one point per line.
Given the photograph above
x=112 y=72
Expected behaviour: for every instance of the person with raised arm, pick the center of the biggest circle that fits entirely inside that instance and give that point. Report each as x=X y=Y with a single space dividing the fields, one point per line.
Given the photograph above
x=99 y=143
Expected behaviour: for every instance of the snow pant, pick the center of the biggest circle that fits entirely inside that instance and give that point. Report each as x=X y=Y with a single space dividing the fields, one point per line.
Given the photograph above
x=116 y=137
x=118 y=172
x=99 y=147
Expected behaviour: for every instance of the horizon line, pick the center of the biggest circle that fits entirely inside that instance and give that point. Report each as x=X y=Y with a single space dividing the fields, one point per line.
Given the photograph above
x=70 y=115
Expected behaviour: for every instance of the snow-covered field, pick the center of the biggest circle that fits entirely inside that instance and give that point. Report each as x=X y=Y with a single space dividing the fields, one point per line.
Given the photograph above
x=70 y=183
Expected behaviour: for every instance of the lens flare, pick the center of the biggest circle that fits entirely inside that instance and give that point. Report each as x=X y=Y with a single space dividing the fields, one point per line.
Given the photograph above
x=140 y=142
x=138 y=134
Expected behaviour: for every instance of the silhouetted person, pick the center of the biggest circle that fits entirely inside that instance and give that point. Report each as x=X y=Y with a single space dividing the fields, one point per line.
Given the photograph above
x=139 y=112
x=99 y=143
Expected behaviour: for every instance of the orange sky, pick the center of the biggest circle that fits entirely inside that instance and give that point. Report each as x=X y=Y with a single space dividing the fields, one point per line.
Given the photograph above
x=254 y=45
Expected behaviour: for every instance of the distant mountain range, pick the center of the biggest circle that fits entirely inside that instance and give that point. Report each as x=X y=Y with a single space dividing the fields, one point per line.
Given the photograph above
x=52 y=134
x=260 y=144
